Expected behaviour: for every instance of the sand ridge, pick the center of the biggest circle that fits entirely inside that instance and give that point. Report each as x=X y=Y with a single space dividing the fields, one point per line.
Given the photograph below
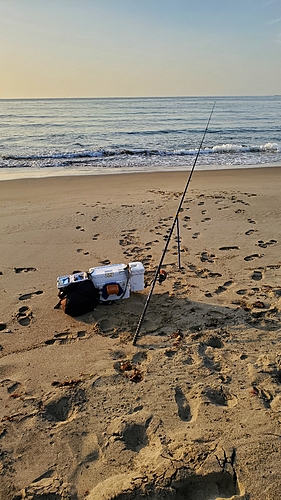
x=193 y=410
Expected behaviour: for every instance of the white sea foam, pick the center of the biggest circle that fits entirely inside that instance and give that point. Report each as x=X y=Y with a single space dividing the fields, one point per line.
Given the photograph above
x=233 y=149
x=271 y=146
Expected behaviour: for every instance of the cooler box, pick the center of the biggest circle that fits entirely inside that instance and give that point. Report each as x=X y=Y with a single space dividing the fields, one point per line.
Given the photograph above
x=136 y=276
x=112 y=281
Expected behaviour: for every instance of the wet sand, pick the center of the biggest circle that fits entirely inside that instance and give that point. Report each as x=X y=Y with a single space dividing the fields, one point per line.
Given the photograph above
x=196 y=412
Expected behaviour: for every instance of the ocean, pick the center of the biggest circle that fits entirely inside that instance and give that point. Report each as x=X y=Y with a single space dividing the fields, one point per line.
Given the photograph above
x=42 y=137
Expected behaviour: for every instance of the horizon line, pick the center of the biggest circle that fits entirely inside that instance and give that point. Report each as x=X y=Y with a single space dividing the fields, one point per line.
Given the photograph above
x=141 y=97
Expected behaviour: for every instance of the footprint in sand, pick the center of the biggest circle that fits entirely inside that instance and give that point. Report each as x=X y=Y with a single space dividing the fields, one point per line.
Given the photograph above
x=79 y=250
x=177 y=285
x=257 y=275
x=273 y=266
x=59 y=407
x=183 y=407
x=66 y=337
x=24 y=316
x=253 y=256
x=195 y=235
x=207 y=257
x=80 y=228
x=203 y=273
x=223 y=208
x=29 y=295
x=117 y=355
x=223 y=288
x=264 y=396
x=265 y=375
x=134 y=436
x=24 y=269
x=220 y=397
x=264 y=244
x=206 y=219
x=15 y=389
x=250 y=231
x=127 y=239
x=95 y=218
x=95 y=237
x=106 y=325
x=230 y=248
x=189 y=485
x=214 y=341
x=251 y=221
x=210 y=486
x=209 y=359
x=147 y=259
x=241 y=201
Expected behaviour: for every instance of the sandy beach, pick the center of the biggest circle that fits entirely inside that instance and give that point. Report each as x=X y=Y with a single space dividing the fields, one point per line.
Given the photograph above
x=201 y=421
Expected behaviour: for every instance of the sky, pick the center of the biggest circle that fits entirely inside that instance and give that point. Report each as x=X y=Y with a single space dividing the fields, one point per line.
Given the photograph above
x=120 y=48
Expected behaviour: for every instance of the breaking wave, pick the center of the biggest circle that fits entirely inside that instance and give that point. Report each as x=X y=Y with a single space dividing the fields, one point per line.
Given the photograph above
x=232 y=149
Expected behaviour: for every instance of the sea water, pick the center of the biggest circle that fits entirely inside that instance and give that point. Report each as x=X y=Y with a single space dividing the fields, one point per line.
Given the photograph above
x=105 y=135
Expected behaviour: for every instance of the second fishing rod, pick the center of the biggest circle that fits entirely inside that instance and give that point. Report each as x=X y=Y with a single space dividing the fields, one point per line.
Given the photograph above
x=171 y=231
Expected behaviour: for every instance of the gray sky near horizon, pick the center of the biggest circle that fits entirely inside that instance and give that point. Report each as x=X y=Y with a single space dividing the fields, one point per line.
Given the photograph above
x=108 y=48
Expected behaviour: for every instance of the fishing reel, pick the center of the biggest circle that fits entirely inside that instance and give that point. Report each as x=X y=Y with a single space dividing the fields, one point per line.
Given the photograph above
x=162 y=276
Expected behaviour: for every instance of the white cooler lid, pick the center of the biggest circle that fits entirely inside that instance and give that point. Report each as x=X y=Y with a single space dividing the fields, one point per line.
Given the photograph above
x=107 y=270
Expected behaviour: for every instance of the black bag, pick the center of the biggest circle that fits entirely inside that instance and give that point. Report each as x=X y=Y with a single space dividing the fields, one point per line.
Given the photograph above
x=78 y=298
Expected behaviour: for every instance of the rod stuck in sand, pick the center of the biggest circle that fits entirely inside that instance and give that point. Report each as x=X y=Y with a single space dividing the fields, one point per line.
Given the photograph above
x=175 y=221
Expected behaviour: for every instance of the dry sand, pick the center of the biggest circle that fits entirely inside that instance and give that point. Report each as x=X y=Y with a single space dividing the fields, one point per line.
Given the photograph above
x=202 y=419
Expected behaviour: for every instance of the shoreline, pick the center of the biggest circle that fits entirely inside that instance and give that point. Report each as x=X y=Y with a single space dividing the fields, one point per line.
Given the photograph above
x=30 y=173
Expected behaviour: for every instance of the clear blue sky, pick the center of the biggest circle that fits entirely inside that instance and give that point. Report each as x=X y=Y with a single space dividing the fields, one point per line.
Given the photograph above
x=96 y=48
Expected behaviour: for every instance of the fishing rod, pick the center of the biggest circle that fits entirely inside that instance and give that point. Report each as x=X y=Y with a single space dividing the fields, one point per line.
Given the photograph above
x=175 y=221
